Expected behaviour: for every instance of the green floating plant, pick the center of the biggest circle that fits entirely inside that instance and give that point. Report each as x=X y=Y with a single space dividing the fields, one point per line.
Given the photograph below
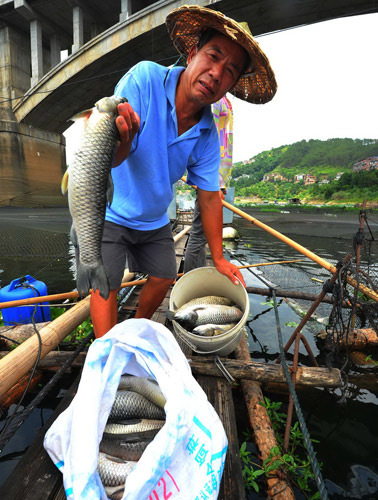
x=294 y=463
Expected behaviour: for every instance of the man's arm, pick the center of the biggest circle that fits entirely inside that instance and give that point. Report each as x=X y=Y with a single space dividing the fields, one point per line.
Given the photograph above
x=212 y=221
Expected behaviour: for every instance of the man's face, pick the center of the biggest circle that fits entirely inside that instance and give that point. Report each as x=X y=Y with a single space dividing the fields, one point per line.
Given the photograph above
x=214 y=69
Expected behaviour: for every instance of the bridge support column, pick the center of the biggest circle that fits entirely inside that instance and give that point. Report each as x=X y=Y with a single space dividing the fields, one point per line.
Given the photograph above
x=125 y=10
x=78 y=28
x=54 y=51
x=32 y=160
x=36 y=51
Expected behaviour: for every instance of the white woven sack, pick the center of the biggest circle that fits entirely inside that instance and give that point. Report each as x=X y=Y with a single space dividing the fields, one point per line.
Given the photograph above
x=185 y=460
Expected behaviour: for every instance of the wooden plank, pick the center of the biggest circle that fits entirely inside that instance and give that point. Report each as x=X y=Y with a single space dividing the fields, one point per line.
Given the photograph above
x=35 y=477
x=265 y=439
x=309 y=376
x=219 y=394
x=267 y=373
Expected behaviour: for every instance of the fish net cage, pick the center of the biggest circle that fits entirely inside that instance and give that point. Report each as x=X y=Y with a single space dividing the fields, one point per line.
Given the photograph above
x=355 y=293
x=46 y=255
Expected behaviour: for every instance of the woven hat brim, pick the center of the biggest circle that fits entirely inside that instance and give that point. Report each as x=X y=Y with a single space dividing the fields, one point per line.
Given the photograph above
x=184 y=26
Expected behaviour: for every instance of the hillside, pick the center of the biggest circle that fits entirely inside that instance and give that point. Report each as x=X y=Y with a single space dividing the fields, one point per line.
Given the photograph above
x=271 y=174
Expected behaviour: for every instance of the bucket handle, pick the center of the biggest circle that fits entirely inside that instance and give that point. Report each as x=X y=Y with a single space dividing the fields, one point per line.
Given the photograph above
x=194 y=348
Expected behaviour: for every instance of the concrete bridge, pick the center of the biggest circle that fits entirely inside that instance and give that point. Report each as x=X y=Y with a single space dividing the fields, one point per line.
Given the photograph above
x=40 y=91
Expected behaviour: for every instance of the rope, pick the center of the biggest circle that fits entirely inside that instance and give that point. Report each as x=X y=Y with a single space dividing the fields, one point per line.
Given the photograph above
x=314 y=463
x=14 y=422
x=12 y=417
x=17 y=421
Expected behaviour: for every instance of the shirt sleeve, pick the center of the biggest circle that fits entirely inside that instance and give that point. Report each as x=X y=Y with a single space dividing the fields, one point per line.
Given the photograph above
x=203 y=172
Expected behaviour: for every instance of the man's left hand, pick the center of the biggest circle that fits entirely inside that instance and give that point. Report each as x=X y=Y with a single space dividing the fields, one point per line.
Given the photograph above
x=231 y=271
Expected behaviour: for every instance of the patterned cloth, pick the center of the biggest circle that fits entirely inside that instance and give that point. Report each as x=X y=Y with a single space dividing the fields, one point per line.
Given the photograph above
x=223 y=118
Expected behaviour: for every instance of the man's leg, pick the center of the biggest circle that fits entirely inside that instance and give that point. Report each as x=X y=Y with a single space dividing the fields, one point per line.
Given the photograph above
x=195 y=255
x=152 y=295
x=103 y=312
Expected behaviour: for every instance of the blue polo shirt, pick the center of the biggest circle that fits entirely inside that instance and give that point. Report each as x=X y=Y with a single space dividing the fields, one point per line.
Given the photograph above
x=158 y=156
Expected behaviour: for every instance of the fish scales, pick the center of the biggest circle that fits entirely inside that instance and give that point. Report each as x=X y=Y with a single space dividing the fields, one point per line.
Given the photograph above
x=129 y=404
x=148 y=388
x=87 y=192
x=217 y=314
x=132 y=437
x=125 y=450
x=212 y=330
x=202 y=314
x=112 y=471
x=131 y=426
x=206 y=300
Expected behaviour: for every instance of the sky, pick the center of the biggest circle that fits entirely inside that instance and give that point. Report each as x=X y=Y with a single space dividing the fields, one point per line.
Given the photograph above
x=327 y=76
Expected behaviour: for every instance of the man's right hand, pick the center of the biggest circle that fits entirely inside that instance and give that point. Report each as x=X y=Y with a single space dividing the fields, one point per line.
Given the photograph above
x=128 y=123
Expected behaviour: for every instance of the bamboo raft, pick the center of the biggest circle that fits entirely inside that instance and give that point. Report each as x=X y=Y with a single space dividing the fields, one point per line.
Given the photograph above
x=35 y=477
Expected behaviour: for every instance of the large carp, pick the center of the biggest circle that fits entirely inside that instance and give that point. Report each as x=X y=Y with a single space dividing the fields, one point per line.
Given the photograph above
x=88 y=190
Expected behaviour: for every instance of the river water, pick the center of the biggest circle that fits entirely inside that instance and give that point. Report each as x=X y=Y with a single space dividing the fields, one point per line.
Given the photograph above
x=36 y=242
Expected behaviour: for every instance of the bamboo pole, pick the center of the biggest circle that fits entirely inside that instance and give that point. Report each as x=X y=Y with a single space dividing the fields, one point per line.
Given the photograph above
x=17 y=390
x=19 y=361
x=181 y=233
x=75 y=295
x=290 y=294
x=303 y=250
x=22 y=359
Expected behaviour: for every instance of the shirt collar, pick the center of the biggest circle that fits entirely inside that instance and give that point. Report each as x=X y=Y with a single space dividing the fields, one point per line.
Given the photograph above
x=171 y=81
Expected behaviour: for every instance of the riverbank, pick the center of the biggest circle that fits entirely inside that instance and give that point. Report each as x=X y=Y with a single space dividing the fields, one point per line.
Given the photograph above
x=313 y=206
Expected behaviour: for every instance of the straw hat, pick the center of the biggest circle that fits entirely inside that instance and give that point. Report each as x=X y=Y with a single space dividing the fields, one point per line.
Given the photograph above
x=184 y=26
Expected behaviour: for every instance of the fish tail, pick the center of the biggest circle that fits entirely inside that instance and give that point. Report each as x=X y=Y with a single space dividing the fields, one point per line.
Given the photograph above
x=170 y=315
x=92 y=277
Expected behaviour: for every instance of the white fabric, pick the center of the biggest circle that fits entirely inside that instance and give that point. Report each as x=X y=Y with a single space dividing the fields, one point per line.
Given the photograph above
x=186 y=458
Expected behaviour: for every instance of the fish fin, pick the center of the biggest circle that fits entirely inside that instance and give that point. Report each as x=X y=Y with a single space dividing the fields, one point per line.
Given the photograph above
x=83 y=114
x=110 y=190
x=73 y=236
x=114 y=459
x=137 y=437
x=92 y=277
x=132 y=421
x=209 y=332
x=64 y=183
x=170 y=315
x=219 y=328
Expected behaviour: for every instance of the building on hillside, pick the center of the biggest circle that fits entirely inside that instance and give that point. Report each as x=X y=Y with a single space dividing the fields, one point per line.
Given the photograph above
x=299 y=177
x=324 y=181
x=309 y=179
x=274 y=177
x=246 y=176
x=366 y=164
x=338 y=175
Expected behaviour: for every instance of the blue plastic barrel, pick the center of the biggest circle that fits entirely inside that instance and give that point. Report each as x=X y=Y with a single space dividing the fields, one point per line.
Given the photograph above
x=25 y=287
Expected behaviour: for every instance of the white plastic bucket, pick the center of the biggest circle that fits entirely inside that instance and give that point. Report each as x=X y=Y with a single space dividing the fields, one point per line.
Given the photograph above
x=201 y=282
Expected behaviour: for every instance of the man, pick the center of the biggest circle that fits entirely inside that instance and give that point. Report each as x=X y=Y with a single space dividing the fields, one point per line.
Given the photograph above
x=165 y=129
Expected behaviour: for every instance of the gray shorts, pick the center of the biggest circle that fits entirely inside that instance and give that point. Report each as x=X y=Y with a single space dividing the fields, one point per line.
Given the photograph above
x=148 y=252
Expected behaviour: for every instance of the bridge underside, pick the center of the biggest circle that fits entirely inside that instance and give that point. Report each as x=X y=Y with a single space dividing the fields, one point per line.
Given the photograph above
x=98 y=79
x=32 y=121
